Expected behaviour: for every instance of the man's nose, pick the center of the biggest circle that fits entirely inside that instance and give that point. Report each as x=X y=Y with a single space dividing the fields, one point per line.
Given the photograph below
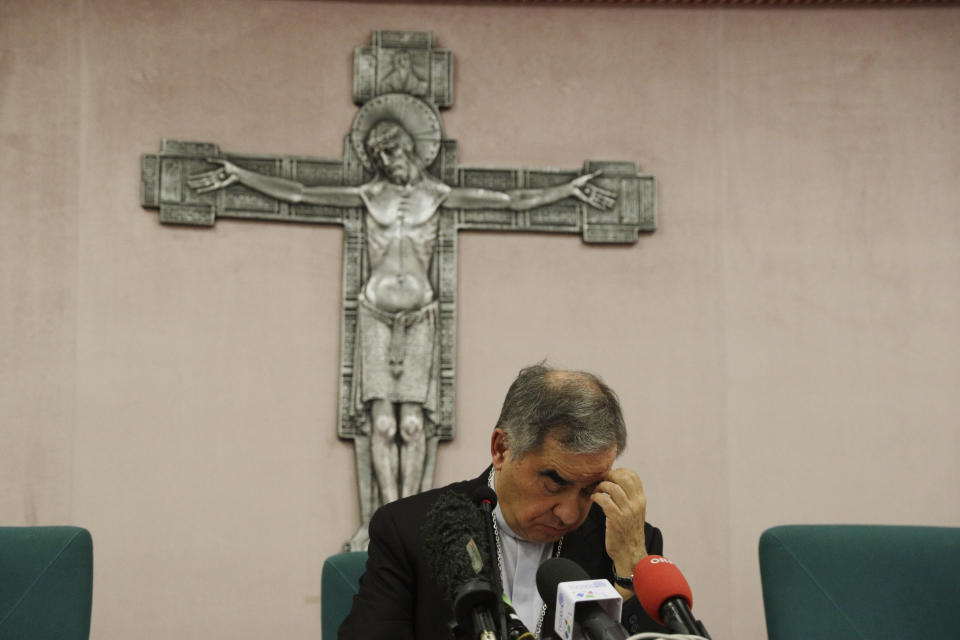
x=568 y=508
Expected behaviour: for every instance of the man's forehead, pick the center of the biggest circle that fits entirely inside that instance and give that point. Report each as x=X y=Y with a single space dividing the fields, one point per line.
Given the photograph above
x=566 y=467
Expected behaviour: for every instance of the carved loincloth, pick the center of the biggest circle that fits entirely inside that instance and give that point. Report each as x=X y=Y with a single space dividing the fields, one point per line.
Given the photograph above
x=396 y=357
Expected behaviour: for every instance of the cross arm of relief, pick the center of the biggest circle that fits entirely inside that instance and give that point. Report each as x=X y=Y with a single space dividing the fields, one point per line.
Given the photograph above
x=523 y=199
x=273 y=186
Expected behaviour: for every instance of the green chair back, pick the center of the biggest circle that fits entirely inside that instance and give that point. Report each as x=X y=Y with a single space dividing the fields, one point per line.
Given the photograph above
x=863 y=582
x=46 y=583
x=338 y=585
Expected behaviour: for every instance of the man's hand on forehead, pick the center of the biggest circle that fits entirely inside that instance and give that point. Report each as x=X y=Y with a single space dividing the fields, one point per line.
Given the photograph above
x=620 y=485
x=624 y=503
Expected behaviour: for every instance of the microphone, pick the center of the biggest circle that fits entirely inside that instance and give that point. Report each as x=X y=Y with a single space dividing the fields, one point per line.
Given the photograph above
x=486 y=498
x=593 y=620
x=664 y=594
x=516 y=630
x=458 y=553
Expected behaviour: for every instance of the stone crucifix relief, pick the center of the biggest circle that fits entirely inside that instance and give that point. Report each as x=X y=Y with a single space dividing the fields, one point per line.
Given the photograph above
x=401 y=198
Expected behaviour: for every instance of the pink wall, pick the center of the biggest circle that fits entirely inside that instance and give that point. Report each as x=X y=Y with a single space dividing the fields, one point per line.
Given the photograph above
x=785 y=345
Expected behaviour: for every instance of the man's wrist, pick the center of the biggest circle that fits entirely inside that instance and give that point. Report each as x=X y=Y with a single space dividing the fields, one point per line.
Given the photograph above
x=623 y=565
x=622 y=579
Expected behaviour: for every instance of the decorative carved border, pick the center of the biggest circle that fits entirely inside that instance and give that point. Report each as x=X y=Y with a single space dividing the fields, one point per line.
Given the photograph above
x=702 y=3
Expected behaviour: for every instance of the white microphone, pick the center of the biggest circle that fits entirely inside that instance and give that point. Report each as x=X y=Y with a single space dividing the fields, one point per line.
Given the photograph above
x=582 y=602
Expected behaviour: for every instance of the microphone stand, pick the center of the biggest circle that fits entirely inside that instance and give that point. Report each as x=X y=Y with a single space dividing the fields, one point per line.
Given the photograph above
x=680 y=619
x=496 y=580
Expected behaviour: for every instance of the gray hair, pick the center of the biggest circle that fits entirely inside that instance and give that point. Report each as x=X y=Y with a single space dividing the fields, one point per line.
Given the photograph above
x=576 y=407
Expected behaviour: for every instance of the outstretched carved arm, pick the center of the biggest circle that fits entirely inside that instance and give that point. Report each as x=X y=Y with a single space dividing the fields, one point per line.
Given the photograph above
x=273 y=186
x=523 y=199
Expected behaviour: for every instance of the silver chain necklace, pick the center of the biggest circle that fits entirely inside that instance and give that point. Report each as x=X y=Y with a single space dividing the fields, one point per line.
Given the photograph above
x=496 y=537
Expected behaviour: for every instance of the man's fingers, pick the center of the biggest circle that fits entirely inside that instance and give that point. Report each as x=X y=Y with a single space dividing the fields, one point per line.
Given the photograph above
x=606 y=503
x=625 y=478
x=614 y=490
x=623 y=501
x=624 y=489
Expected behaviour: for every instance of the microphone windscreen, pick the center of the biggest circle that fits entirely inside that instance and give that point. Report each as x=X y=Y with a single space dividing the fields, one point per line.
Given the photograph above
x=554 y=571
x=656 y=580
x=454 y=542
x=482 y=494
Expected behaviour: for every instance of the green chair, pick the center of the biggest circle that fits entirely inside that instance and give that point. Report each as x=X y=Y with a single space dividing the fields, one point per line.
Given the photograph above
x=863 y=582
x=338 y=585
x=46 y=583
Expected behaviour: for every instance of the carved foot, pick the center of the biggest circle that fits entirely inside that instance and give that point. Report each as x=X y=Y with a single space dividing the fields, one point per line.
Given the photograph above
x=359 y=541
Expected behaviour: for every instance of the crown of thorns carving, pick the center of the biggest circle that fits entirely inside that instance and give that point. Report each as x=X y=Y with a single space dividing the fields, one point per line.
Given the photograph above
x=418 y=118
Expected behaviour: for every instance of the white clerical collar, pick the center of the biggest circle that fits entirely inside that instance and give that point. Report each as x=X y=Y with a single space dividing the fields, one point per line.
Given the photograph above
x=519 y=560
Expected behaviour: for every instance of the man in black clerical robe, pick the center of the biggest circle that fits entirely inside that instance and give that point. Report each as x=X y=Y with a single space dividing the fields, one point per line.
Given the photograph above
x=552 y=455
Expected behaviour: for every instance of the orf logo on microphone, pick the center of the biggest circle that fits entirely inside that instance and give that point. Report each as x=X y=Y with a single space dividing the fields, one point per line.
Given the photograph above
x=657 y=579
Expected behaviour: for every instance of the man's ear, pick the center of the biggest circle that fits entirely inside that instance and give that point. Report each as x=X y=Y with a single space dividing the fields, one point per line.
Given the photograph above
x=498 y=448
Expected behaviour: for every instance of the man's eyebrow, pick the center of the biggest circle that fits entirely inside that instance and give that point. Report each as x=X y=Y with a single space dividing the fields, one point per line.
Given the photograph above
x=556 y=477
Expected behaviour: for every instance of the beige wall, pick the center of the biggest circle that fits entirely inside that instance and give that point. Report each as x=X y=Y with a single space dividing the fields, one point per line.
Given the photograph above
x=786 y=345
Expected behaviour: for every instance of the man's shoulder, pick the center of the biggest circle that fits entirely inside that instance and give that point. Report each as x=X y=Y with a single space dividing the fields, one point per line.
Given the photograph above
x=420 y=503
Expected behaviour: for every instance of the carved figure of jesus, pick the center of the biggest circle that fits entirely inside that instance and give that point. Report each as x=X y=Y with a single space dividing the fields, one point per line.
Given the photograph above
x=397 y=305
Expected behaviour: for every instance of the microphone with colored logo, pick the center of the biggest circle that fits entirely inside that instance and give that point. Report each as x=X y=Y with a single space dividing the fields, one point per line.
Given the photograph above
x=559 y=580
x=664 y=594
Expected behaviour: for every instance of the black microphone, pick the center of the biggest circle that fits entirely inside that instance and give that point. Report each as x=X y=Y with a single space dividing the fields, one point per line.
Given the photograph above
x=516 y=630
x=458 y=553
x=486 y=498
x=591 y=617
